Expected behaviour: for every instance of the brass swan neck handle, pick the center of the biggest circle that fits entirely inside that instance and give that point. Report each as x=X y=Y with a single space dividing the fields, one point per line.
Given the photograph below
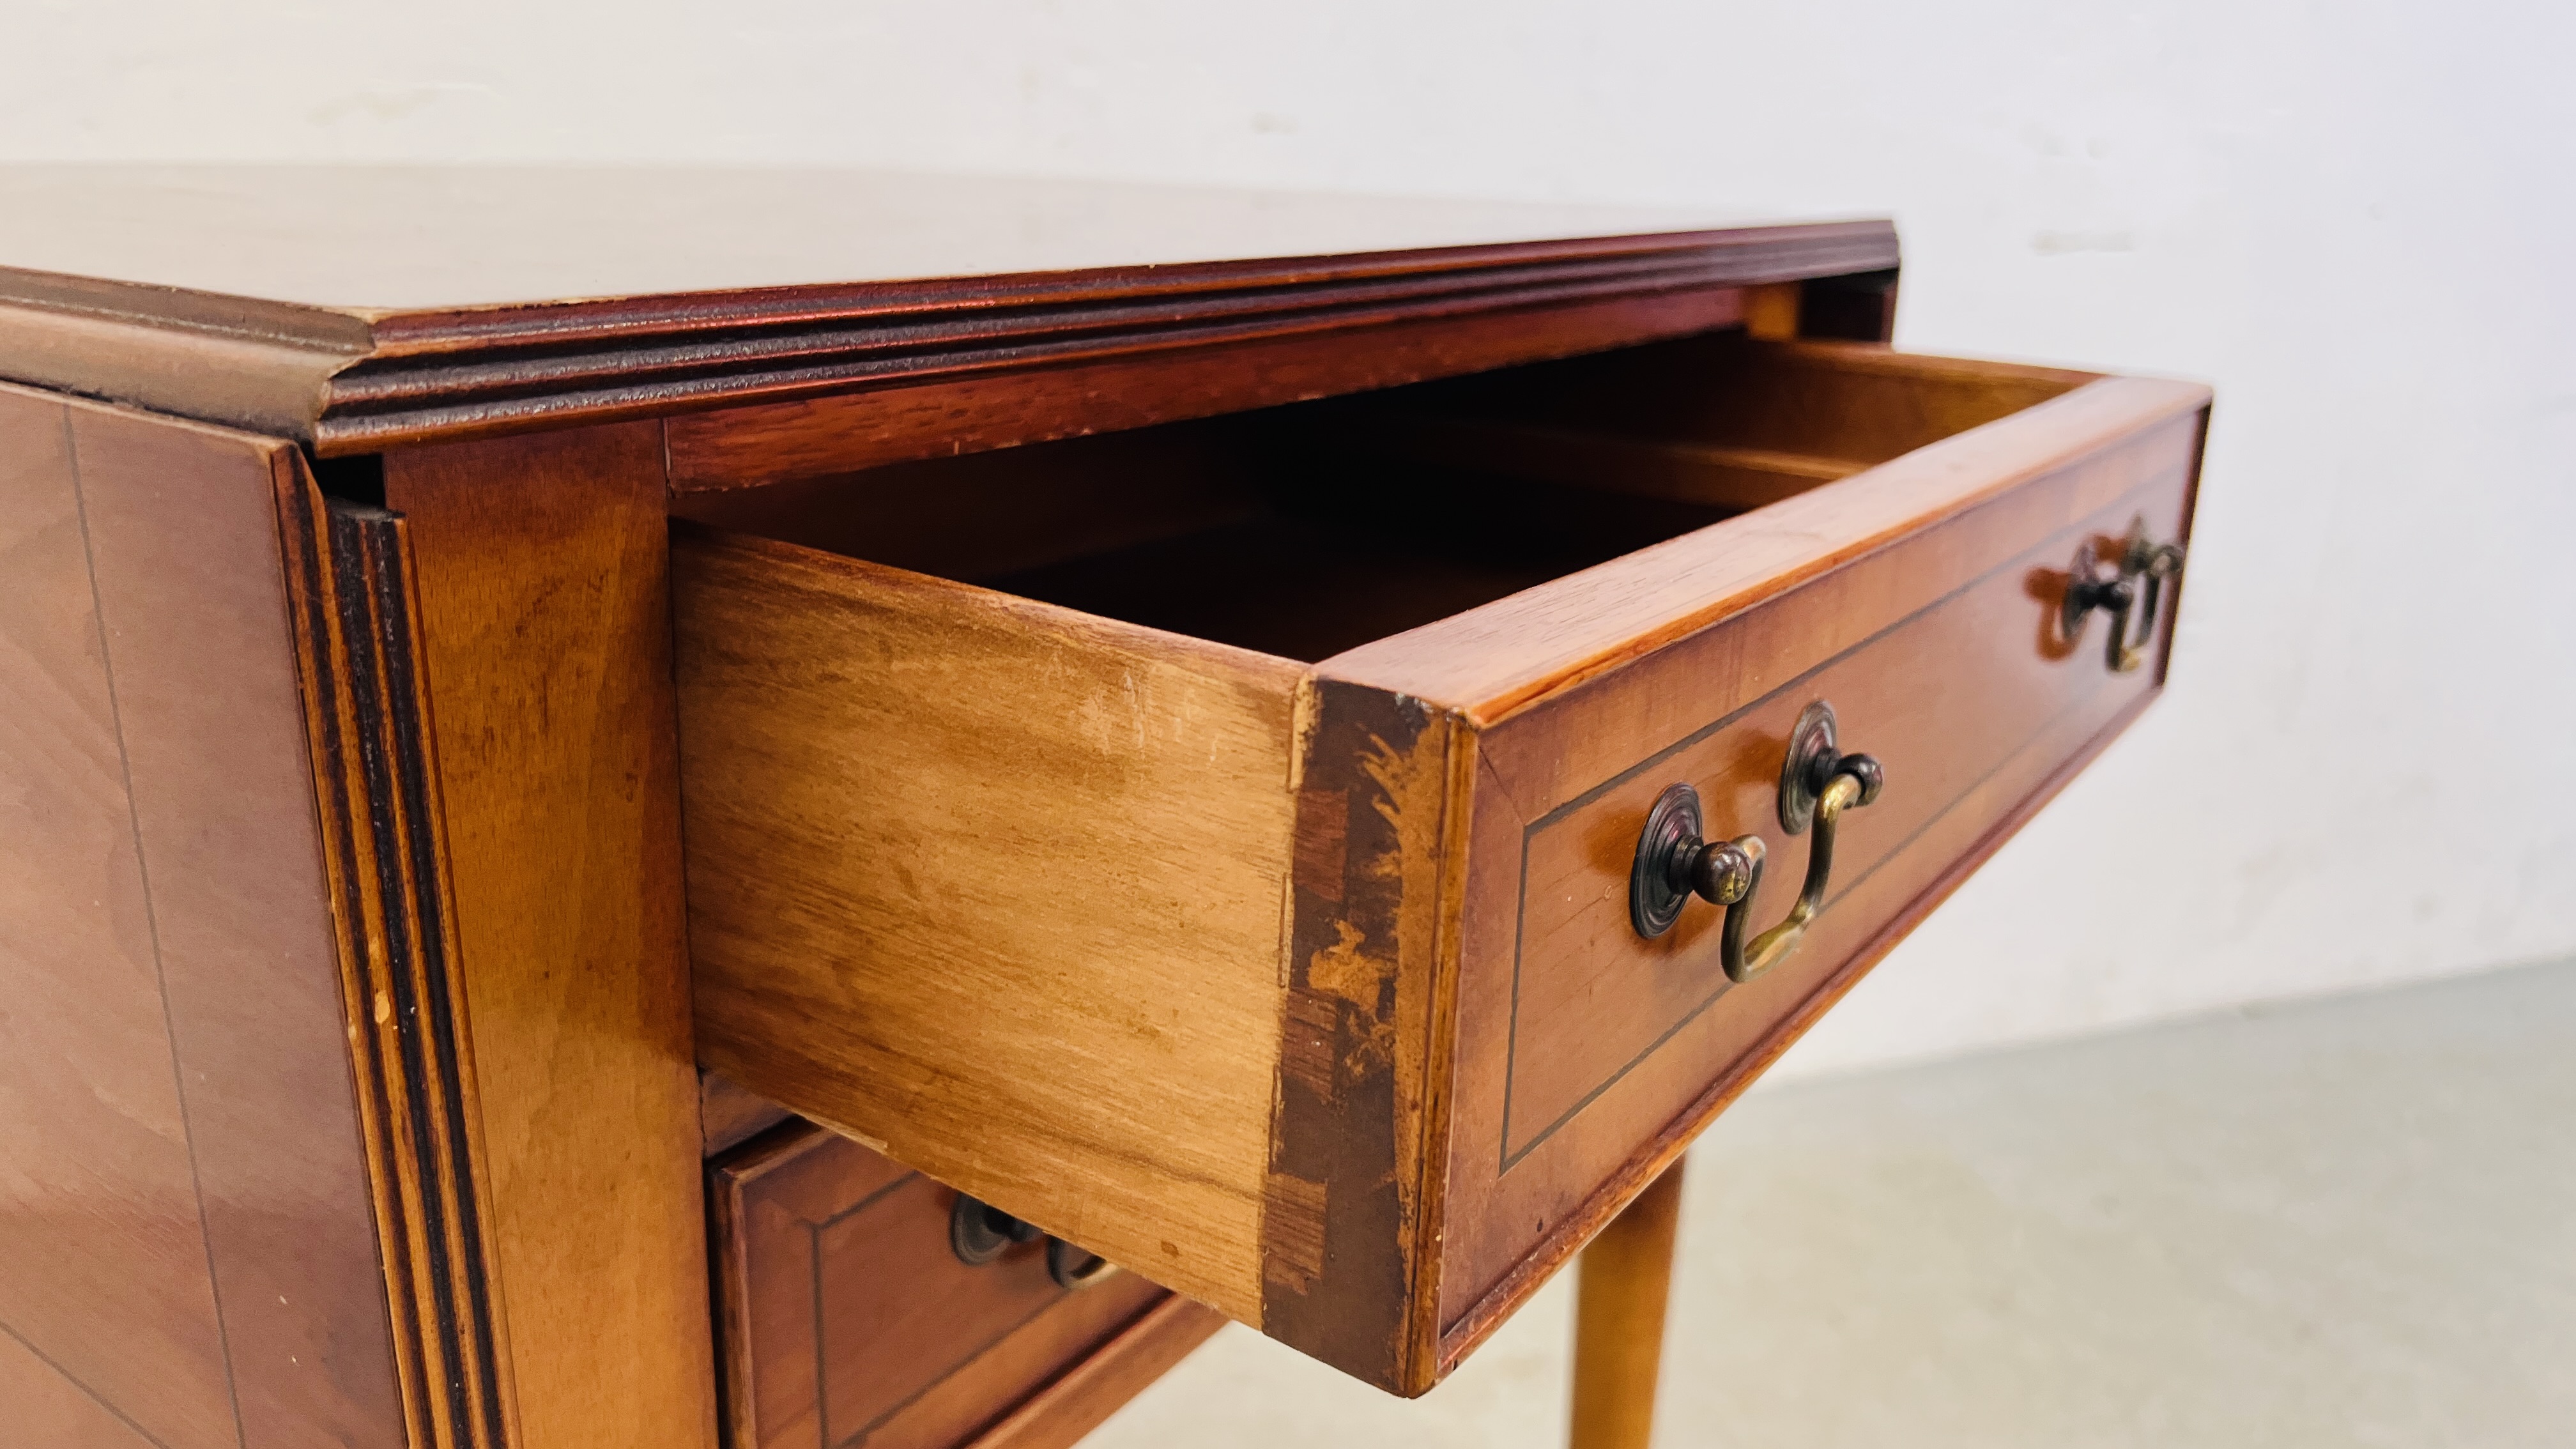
x=1817 y=784
x=979 y=1233
x=2133 y=616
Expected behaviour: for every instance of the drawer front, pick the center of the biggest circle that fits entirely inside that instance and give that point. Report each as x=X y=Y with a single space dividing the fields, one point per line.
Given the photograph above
x=848 y=1320
x=1587 y=1052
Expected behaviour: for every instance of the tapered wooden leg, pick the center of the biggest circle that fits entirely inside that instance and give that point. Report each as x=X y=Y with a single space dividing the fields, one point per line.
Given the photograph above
x=1625 y=1277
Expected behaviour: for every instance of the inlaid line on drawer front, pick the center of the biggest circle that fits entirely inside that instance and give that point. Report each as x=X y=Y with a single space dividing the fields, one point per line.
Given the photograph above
x=849 y=1322
x=1863 y=856
x=848 y=1223
x=814 y=1232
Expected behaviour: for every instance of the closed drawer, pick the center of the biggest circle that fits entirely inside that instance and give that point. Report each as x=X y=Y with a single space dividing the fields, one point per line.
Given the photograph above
x=1240 y=882
x=849 y=1323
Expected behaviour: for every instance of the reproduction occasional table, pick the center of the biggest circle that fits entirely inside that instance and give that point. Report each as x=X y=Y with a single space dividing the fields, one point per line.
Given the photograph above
x=661 y=808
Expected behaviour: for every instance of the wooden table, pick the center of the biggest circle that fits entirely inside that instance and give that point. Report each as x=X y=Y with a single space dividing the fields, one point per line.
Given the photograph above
x=963 y=737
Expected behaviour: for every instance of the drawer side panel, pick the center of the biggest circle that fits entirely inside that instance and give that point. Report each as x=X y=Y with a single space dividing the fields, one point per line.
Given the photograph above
x=995 y=885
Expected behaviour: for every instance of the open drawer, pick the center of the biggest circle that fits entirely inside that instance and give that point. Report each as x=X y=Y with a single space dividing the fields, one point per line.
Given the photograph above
x=1249 y=848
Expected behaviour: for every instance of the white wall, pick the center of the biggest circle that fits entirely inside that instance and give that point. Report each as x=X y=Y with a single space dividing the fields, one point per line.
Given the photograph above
x=2358 y=220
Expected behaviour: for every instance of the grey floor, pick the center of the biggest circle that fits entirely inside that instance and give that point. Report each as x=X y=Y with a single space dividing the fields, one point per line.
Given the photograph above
x=2349 y=1222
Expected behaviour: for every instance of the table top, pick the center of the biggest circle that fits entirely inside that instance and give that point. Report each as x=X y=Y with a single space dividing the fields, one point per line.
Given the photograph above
x=308 y=300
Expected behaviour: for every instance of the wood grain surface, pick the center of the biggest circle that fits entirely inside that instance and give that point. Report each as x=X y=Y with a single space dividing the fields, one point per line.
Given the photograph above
x=1494 y=660
x=353 y=601
x=1853 y=557
x=1722 y=475
x=1581 y=1045
x=47 y=1407
x=851 y=1323
x=108 y=1277
x=763 y=443
x=729 y=1115
x=995 y=885
x=1350 y=1221
x=1001 y=511
x=1624 y=1284
x=1476 y=1062
x=542 y=575
x=1059 y=1415
x=358 y=242
x=362 y=310
x=1954 y=688
x=183 y=1180
x=1304 y=989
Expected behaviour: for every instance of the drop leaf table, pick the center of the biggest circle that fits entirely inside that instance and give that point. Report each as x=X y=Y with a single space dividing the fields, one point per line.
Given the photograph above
x=793 y=810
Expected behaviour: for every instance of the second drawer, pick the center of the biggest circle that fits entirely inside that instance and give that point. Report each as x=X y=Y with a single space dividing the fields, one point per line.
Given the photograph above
x=849 y=1323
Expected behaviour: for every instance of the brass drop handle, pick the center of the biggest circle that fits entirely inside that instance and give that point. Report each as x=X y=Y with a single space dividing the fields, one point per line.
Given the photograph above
x=1073 y=1267
x=1817 y=784
x=978 y=1233
x=2089 y=588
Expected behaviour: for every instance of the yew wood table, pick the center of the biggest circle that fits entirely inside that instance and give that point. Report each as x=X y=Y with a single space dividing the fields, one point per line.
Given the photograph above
x=660 y=808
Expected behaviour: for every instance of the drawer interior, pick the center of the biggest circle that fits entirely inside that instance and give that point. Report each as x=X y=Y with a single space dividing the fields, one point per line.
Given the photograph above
x=1306 y=530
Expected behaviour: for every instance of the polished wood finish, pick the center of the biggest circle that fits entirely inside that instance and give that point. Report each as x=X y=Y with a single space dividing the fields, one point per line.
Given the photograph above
x=848 y=431
x=365 y=242
x=1939 y=438
x=1059 y=1415
x=1198 y=826
x=109 y=1279
x=1013 y=757
x=47 y=1408
x=1588 y=1056
x=200 y=293
x=1625 y=1277
x=542 y=575
x=1718 y=475
x=1710 y=420
x=729 y=1116
x=851 y=1323
x=1005 y=511
x=351 y=593
x=1453 y=1112
x=1350 y=1239
x=183 y=1181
